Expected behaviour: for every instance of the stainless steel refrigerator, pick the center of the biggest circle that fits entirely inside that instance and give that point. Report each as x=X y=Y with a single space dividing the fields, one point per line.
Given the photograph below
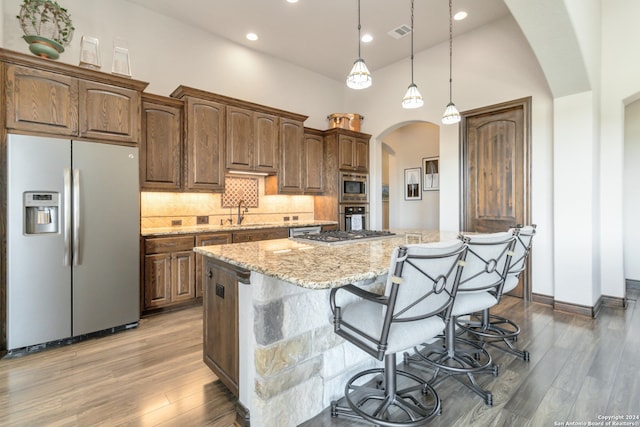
x=73 y=227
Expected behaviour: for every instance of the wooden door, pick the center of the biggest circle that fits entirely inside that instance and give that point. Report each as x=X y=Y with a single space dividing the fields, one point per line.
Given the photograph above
x=161 y=146
x=109 y=112
x=291 y=150
x=313 y=164
x=240 y=141
x=495 y=168
x=265 y=128
x=205 y=145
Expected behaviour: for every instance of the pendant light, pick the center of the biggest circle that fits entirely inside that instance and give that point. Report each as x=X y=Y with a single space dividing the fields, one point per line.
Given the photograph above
x=451 y=114
x=412 y=98
x=359 y=77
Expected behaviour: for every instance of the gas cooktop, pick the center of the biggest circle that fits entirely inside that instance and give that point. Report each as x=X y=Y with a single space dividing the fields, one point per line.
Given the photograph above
x=342 y=237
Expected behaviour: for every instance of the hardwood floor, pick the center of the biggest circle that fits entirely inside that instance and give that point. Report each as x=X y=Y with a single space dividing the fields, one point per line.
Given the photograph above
x=580 y=369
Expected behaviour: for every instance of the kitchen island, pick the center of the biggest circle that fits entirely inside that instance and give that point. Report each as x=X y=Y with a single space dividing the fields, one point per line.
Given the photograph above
x=268 y=331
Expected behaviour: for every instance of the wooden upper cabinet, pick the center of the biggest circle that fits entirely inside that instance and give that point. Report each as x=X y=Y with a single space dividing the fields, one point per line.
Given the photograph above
x=353 y=153
x=239 y=153
x=109 y=112
x=40 y=101
x=50 y=97
x=265 y=133
x=205 y=144
x=361 y=155
x=252 y=140
x=161 y=143
x=313 y=167
x=291 y=152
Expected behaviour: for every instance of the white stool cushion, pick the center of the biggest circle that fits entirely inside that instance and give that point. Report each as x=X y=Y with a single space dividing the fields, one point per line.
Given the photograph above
x=470 y=302
x=510 y=283
x=369 y=317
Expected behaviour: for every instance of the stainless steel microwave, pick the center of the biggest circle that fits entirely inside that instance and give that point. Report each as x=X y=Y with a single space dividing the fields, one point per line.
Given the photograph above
x=353 y=188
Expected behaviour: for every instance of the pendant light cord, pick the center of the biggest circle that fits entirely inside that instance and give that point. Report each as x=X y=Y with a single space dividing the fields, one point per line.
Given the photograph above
x=411 y=41
x=359 y=27
x=450 y=49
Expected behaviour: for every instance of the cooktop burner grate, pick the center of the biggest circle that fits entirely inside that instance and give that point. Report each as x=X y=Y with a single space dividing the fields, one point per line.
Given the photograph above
x=344 y=236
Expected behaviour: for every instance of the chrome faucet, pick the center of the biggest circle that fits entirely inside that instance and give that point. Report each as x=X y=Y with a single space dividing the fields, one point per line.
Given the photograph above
x=246 y=209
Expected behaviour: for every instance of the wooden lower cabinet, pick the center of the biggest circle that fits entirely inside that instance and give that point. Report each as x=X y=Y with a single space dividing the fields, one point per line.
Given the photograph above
x=264 y=234
x=220 y=322
x=169 y=271
x=207 y=240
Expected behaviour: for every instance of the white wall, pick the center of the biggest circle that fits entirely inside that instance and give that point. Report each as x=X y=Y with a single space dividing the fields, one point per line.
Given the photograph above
x=630 y=191
x=411 y=143
x=491 y=65
x=166 y=54
x=620 y=85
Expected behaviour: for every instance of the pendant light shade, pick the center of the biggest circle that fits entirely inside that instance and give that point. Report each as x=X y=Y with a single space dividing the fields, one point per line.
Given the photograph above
x=451 y=114
x=412 y=98
x=359 y=77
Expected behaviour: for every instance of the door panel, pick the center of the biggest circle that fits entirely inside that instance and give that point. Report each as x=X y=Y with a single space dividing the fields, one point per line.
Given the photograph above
x=495 y=169
x=38 y=282
x=106 y=282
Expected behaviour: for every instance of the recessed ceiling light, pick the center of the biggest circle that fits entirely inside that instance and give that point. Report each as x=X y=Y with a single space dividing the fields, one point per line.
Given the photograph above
x=252 y=36
x=459 y=16
x=292 y=1
x=367 y=38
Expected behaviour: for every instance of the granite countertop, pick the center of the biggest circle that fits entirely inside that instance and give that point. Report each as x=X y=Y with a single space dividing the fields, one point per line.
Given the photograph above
x=213 y=228
x=319 y=266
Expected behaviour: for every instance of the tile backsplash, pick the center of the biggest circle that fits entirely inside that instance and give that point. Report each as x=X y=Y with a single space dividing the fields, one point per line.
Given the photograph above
x=159 y=209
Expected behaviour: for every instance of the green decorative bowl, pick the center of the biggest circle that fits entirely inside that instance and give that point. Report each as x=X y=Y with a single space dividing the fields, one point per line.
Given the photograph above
x=44 y=47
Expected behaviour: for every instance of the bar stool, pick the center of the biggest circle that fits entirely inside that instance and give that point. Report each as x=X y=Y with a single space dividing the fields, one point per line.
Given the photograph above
x=416 y=305
x=490 y=328
x=487 y=260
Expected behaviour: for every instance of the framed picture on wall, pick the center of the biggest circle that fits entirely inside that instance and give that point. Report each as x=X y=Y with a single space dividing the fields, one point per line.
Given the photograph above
x=431 y=177
x=412 y=184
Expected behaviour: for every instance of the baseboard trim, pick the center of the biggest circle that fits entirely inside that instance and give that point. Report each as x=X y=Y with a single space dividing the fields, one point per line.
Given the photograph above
x=242 y=415
x=542 y=299
x=582 y=310
x=633 y=284
x=614 y=302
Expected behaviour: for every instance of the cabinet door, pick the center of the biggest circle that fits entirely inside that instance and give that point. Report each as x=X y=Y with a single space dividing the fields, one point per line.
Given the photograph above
x=313 y=164
x=205 y=145
x=346 y=150
x=183 y=284
x=161 y=147
x=207 y=240
x=361 y=155
x=240 y=139
x=40 y=101
x=220 y=338
x=265 y=128
x=109 y=112
x=291 y=151
x=157 y=280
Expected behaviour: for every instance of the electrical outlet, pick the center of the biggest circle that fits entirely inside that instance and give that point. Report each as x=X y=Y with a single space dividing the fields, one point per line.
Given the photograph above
x=202 y=220
x=285 y=218
x=295 y=217
x=176 y=222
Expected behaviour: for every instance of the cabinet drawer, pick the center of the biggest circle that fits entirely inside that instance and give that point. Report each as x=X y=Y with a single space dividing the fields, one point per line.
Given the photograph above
x=168 y=244
x=256 y=235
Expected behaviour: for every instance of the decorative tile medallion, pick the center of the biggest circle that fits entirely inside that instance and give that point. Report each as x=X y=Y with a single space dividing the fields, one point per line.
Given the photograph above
x=236 y=189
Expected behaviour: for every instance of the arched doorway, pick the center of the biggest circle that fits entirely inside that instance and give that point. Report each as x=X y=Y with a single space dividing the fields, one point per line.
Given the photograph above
x=403 y=148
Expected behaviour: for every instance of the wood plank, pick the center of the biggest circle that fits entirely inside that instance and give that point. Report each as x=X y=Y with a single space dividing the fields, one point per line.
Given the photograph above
x=153 y=375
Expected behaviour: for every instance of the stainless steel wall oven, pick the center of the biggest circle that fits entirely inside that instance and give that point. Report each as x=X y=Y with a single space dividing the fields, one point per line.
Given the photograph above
x=353 y=217
x=353 y=188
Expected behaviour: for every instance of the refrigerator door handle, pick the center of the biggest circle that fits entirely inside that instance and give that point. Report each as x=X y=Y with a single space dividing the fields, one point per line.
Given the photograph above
x=66 y=259
x=76 y=217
